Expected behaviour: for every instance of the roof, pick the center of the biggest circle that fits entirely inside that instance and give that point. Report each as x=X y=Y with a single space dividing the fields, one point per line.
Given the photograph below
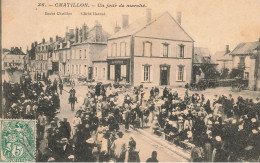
x=245 y=48
x=202 y=56
x=172 y=30
x=222 y=56
x=14 y=51
x=102 y=56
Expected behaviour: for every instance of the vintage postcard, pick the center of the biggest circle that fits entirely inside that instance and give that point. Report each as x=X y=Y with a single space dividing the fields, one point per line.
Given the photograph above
x=130 y=81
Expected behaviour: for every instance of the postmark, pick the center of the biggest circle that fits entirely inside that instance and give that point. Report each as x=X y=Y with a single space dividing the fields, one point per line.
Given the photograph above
x=18 y=143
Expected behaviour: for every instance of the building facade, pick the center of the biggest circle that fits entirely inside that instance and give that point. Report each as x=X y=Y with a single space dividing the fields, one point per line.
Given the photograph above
x=241 y=57
x=88 y=44
x=43 y=62
x=144 y=53
x=254 y=79
x=224 y=59
x=14 y=58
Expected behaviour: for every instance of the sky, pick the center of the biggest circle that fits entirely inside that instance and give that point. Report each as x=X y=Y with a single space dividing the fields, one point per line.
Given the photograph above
x=211 y=23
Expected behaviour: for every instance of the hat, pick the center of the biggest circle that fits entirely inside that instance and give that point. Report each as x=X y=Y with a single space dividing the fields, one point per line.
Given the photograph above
x=63 y=140
x=253 y=120
x=120 y=133
x=51 y=159
x=240 y=127
x=218 y=138
x=90 y=141
x=53 y=122
x=254 y=131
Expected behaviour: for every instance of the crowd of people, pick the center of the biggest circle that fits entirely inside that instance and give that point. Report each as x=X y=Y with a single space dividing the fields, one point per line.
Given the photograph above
x=95 y=133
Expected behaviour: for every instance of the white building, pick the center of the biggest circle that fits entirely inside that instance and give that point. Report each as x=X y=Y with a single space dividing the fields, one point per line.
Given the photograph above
x=155 y=50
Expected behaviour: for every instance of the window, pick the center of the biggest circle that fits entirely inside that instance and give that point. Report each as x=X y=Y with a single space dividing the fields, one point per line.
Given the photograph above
x=146 y=72
x=165 y=50
x=181 y=55
x=180 y=73
x=147 y=49
x=72 y=69
x=246 y=75
x=85 y=69
x=114 y=47
x=68 y=68
x=123 y=71
x=5 y=64
x=85 y=53
x=104 y=72
x=122 y=49
x=112 y=72
x=79 y=69
x=96 y=71
x=79 y=54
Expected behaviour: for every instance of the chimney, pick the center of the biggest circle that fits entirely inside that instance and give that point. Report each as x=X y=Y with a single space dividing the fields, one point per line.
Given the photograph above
x=84 y=32
x=43 y=40
x=32 y=46
x=12 y=48
x=51 y=39
x=178 y=17
x=80 y=35
x=125 y=19
x=117 y=28
x=77 y=35
x=35 y=43
x=148 y=15
x=71 y=32
x=227 y=49
x=98 y=28
x=20 y=48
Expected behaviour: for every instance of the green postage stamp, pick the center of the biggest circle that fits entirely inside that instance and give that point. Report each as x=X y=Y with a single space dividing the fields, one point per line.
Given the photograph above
x=18 y=142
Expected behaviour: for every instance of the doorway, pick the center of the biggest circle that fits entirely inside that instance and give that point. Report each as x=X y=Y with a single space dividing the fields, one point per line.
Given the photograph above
x=164 y=71
x=117 y=73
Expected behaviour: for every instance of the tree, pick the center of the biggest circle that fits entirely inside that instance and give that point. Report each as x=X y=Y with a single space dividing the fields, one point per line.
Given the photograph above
x=224 y=73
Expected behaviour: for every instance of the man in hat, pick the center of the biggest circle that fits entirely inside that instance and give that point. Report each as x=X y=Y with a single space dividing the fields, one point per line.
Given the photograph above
x=119 y=148
x=41 y=125
x=64 y=150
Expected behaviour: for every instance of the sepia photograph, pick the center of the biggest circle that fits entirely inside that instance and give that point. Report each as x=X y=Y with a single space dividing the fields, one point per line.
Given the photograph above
x=130 y=81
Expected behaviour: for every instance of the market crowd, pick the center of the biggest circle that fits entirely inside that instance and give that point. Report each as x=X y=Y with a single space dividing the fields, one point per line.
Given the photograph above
x=95 y=133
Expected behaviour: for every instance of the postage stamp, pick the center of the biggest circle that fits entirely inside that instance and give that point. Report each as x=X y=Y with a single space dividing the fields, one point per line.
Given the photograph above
x=17 y=140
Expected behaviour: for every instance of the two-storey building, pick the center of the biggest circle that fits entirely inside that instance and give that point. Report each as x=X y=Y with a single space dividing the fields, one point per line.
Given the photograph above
x=151 y=51
x=241 y=57
x=14 y=58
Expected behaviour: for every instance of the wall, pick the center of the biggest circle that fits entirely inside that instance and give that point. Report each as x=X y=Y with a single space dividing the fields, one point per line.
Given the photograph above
x=155 y=68
x=81 y=64
x=228 y=64
x=101 y=73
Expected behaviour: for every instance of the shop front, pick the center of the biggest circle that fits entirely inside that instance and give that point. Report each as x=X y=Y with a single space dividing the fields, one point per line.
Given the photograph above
x=119 y=70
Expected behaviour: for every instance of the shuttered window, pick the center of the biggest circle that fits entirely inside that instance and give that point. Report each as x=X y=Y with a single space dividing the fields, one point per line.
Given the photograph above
x=112 y=72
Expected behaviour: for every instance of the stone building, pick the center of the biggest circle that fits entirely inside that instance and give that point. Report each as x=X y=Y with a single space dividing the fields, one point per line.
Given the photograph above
x=88 y=43
x=154 y=50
